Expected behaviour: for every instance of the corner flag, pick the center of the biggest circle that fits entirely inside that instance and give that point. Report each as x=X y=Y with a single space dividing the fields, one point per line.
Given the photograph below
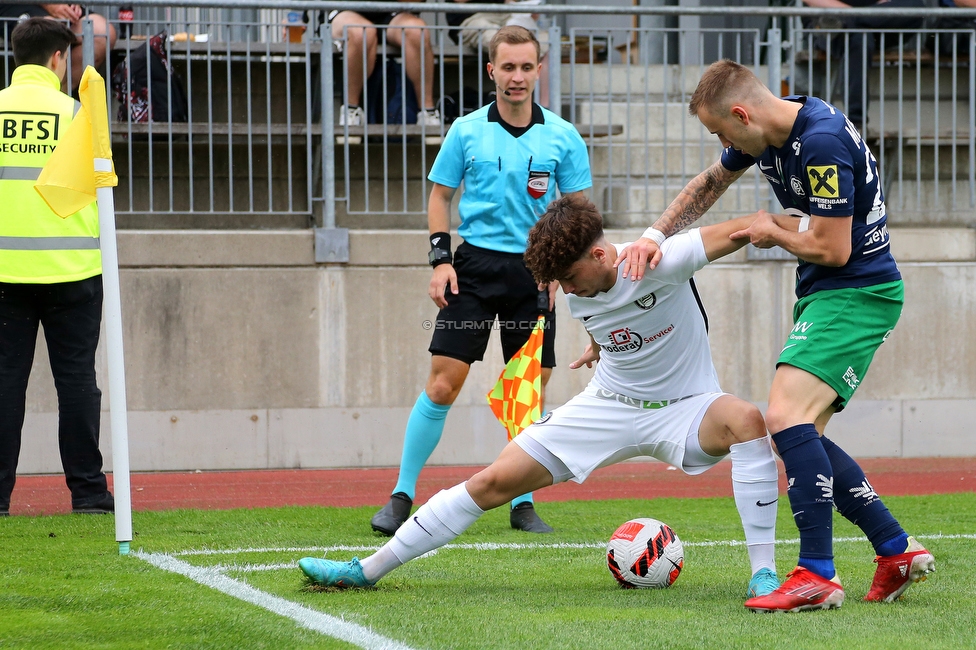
x=516 y=400
x=78 y=172
x=82 y=160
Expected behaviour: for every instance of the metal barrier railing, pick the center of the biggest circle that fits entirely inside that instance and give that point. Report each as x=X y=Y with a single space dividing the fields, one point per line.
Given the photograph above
x=262 y=145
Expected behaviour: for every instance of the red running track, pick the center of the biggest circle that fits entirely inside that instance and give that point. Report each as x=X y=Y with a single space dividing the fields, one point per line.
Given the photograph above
x=44 y=495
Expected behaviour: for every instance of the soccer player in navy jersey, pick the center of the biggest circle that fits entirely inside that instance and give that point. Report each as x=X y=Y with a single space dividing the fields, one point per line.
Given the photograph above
x=850 y=296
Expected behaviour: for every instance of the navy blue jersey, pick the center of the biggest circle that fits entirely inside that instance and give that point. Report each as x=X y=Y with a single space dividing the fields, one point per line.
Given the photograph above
x=826 y=170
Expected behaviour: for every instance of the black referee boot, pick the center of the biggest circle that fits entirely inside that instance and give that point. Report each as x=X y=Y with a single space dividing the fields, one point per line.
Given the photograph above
x=392 y=515
x=524 y=517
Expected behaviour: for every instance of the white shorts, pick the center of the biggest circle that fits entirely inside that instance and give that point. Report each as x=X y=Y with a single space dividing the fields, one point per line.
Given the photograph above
x=590 y=431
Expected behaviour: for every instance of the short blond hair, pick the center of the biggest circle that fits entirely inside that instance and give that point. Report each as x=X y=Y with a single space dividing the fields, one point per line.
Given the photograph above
x=512 y=35
x=721 y=85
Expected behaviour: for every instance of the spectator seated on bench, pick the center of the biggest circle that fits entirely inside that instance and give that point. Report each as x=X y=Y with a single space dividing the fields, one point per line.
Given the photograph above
x=360 y=30
x=104 y=32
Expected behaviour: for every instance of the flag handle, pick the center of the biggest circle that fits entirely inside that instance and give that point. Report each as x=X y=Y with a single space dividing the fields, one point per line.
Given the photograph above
x=116 y=368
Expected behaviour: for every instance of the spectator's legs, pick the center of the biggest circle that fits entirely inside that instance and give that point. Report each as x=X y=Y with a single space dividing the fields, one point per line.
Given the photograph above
x=18 y=335
x=360 y=39
x=105 y=38
x=420 y=71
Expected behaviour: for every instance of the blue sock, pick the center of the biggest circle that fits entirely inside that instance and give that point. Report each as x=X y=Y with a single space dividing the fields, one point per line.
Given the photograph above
x=861 y=505
x=424 y=428
x=811 y=495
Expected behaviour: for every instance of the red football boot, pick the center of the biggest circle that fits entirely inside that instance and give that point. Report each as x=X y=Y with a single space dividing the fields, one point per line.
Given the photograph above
x=896 y=573
x=802 y=590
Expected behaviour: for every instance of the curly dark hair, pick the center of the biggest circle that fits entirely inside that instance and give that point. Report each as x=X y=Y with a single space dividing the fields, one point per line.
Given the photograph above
x=562 y=236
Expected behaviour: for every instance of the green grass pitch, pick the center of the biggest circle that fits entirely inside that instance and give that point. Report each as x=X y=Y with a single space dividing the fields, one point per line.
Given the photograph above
x=65 y=586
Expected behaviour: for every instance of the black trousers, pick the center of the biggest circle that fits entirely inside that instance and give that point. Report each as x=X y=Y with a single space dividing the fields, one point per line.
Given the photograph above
x=70 y=313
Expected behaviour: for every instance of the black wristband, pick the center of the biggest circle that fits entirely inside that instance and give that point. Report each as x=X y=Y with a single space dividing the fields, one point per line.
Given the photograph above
x=440 y=249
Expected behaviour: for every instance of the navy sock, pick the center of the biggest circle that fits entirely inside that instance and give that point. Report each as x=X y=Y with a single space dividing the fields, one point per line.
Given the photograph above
x=861 y=505
x=810 y=490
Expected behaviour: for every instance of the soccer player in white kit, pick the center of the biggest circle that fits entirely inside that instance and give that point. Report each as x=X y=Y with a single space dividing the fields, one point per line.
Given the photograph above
x=655 y=393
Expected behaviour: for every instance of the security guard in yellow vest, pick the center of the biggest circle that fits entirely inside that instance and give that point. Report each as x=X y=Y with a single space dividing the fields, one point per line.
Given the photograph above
x=50 y=271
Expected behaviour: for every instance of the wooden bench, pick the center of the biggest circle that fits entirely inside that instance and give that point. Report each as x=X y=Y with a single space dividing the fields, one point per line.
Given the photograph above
x=908 y=58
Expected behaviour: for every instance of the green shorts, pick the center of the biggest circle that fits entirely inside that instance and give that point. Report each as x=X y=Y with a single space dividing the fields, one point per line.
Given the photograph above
x=836 y=333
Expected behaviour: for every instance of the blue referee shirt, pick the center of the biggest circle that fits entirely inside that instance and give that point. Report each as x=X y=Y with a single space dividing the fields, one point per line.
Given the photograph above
x=826 y=170
x=510 y=174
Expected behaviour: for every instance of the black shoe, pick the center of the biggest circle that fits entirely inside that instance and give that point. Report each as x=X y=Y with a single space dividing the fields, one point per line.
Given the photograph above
x=392 y=515
x=524 y=517
x=4 y=513
x=103 y=505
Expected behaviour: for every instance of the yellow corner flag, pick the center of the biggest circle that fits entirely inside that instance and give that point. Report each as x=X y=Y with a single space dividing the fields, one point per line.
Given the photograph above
x=516 y=400
x=82 y=160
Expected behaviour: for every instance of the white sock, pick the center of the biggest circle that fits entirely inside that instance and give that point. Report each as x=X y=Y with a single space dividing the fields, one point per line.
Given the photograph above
x=380 y=563
x=754 y=477
x=445 y=516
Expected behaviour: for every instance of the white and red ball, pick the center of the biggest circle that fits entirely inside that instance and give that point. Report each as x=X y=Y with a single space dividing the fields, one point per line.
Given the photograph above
x=645 y=553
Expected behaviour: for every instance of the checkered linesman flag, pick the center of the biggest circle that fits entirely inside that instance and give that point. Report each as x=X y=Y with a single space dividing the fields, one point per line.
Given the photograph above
x=516 y=400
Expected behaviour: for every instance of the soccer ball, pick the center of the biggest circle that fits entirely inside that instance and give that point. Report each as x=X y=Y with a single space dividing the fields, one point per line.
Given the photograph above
x=645 y=553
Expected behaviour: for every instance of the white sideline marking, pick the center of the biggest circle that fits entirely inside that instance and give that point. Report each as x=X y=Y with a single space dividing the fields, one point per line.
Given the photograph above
x=491 y=546
x=304 y=616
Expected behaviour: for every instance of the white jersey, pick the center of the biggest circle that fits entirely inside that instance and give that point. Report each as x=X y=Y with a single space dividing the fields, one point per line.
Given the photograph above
x=652 y=334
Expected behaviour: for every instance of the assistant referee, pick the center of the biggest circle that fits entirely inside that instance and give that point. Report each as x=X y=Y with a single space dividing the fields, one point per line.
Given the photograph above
x=511 y=155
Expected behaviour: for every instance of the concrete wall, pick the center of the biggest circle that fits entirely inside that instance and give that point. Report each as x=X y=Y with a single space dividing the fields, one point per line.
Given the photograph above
x=242 y=353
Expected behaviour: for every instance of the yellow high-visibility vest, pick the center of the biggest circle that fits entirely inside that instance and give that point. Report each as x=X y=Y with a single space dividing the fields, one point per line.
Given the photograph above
x=36 y=245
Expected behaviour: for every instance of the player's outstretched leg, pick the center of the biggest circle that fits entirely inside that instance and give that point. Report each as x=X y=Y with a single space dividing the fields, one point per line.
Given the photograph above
x=424 y=429
x=445 y=516
x=524 y=517
x=901 y=559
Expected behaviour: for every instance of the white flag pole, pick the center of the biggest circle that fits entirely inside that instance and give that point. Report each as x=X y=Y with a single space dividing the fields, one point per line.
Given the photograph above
x=116 y=361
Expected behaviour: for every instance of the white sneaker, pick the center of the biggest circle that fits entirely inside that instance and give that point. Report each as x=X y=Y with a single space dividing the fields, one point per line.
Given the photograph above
x=350 y=116
x=432 y=120
x=429 y=118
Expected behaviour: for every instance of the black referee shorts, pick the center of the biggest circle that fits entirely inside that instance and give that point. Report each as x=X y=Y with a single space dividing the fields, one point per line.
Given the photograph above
x=490 y=285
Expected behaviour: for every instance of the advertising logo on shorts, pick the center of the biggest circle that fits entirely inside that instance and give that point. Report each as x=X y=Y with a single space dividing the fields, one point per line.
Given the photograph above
x=624 y=340
x=538 y=184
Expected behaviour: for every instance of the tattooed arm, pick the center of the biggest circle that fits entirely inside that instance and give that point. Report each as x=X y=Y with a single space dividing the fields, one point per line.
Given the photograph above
x=691 y=203
x=696 y=198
